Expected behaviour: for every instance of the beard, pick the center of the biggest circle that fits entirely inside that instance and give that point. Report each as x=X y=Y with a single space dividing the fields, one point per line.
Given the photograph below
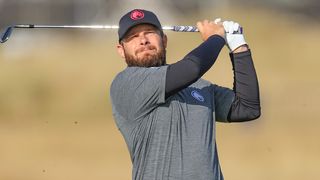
x=148 y=60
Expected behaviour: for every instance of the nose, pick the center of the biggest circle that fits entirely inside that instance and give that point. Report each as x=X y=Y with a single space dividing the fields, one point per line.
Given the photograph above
x=144 y=40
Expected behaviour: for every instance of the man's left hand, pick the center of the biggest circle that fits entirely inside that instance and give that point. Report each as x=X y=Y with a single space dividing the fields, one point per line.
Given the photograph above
x=235 y=42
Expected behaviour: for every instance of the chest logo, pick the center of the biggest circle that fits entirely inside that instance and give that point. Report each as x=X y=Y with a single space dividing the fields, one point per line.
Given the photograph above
x=197 y=95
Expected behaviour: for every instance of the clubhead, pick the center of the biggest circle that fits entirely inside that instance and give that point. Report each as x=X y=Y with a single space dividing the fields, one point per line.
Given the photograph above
x=5 y=36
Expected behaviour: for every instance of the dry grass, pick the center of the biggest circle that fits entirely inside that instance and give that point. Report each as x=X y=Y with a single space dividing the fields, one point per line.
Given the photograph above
x=56 y=121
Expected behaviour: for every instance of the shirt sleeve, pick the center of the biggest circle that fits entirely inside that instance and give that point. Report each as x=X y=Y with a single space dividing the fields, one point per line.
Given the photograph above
x=246 y=105
x=187 y=71
x=137 y=91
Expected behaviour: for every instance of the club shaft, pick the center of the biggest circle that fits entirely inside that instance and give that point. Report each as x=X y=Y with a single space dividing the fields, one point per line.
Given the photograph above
x=78 y=26
x=6 y=34
x=67 y=26
x=173 y=28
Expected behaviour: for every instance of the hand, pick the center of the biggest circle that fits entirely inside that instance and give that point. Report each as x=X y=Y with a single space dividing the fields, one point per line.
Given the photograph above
x=234 y=41
x=209 y=28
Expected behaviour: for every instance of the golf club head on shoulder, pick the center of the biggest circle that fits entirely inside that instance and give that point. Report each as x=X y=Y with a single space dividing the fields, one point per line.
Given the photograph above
x=6 y=34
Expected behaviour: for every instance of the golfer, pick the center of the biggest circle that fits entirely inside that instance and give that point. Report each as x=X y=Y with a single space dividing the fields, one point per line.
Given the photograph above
x=166 y=112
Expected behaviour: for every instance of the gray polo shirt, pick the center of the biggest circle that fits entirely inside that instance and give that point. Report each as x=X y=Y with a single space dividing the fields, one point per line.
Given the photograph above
x=173 y=138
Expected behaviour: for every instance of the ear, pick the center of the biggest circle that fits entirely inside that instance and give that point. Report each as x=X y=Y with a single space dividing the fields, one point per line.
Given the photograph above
x=120 y=50
x=164 y=40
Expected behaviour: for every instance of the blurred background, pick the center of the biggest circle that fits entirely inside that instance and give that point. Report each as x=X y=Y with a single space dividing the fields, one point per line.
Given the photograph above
x=55 y=112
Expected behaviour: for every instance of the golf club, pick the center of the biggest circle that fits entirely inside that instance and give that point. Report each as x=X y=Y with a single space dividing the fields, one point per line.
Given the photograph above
x=8 y=31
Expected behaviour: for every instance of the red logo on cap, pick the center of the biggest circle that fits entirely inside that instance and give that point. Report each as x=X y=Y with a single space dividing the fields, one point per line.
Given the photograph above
x=136 y=15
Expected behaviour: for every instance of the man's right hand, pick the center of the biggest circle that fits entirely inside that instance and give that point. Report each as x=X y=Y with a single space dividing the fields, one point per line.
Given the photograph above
x=208 y=28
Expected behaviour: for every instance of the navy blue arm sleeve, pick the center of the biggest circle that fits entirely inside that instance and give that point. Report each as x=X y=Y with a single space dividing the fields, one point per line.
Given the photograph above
x=246 y=105
x=185 y=72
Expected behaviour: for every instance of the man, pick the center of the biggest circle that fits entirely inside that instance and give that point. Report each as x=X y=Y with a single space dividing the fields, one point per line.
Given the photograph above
x=167 y=113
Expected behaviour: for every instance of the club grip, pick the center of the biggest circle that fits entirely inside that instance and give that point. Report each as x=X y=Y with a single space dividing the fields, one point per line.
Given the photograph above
x=185 y=29
x=195 y=29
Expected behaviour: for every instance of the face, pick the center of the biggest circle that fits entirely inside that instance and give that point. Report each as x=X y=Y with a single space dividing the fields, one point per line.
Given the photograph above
x=143 y=46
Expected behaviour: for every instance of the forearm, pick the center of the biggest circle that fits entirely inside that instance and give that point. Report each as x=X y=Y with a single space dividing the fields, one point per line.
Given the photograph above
x=185 y=72
x=246 y=105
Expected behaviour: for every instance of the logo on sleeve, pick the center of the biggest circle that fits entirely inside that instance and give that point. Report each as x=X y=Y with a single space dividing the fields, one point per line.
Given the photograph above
x=197 y=95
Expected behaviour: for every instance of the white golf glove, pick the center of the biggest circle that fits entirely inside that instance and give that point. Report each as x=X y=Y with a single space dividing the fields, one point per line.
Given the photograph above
x=234 y=40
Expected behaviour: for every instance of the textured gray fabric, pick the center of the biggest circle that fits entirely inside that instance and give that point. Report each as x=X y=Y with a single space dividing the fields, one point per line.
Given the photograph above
x=173 y=138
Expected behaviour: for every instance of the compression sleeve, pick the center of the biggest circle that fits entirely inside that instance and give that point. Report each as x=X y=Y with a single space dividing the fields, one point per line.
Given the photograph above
x=185 y=72
x=246 y=105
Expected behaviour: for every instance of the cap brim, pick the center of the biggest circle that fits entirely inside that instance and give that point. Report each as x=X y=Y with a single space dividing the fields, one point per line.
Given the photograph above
x=135 y=24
